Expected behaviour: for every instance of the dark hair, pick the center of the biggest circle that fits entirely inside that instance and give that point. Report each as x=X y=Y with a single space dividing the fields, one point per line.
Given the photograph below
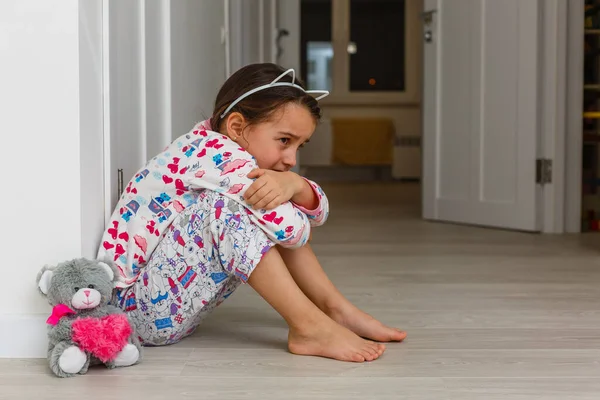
x=260 y=106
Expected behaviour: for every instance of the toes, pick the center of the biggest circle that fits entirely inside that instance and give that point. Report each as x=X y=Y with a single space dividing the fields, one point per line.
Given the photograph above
x=368 y=353
x=371 y=345
x=373 y=349
x=396 y=335
x=374 y=354
x=368 y=356
x=399 y=335
x=364 y=353
x=357 y=357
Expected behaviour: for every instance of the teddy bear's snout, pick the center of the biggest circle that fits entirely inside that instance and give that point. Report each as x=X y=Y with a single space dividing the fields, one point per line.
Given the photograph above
x=85 y=299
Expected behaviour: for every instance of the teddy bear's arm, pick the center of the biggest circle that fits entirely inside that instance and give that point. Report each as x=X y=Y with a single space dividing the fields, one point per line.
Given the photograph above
x=110 y=309
x=61 y=331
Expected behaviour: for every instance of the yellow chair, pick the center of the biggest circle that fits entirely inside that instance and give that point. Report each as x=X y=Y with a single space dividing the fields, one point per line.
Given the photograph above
x=362 y=141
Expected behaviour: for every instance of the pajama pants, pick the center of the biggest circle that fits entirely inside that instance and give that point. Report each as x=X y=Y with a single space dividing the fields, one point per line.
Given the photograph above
x=210 y=249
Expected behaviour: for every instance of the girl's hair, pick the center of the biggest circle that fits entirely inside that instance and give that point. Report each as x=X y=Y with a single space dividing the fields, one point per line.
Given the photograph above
x=260 y=106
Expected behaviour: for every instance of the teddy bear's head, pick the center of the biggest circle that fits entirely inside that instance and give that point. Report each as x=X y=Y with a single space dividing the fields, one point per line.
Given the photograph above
x=80 y=284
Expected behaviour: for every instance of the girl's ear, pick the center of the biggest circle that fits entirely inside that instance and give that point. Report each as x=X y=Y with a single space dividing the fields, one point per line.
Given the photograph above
x=235 y=125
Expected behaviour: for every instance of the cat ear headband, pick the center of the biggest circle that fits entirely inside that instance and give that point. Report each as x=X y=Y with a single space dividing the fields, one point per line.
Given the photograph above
x=323 y=93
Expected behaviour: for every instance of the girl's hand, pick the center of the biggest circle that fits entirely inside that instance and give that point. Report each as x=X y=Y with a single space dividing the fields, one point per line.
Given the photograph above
x=272 y=188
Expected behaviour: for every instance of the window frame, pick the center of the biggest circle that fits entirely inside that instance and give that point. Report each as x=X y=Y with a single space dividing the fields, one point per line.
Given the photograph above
x=340 y=35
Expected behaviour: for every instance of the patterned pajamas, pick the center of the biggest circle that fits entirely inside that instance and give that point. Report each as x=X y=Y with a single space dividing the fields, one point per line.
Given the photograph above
x=206 y=254
x=183 y=238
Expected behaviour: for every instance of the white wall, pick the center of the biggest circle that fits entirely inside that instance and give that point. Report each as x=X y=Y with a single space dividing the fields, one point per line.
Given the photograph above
x=41 y=223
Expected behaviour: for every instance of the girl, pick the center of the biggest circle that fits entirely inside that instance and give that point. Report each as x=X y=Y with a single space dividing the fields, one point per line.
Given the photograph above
x=220 y=207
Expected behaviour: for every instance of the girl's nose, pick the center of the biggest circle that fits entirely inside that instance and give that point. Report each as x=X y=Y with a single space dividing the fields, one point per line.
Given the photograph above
x=290 y=161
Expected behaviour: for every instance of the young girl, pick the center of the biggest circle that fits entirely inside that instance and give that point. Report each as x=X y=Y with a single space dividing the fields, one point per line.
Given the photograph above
x=220 y=207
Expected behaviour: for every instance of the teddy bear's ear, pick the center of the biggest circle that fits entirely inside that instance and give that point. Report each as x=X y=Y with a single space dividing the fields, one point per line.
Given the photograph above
x=44 y=278
x=108 y=269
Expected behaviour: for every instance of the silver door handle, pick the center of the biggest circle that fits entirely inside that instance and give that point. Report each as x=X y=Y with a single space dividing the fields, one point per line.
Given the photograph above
x=428 y=36
x=427 y=17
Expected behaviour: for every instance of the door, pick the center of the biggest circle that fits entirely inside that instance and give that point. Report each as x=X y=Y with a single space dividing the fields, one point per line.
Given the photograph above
x=266 y=31
x=163 y=65
x=480 y=112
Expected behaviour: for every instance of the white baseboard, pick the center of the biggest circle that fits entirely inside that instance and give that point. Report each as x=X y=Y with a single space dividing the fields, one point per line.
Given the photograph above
x=23 y=336
x=407 y=162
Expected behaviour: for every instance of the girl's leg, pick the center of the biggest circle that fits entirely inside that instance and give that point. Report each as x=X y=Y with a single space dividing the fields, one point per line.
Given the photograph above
x=306 y=270
x=311 y=331
x=207 y=253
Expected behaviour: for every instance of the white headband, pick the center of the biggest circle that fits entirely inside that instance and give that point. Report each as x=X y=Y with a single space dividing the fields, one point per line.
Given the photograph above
x=276 y=82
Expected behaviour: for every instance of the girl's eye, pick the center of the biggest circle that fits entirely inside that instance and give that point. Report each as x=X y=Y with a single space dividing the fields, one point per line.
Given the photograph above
x=285 y=140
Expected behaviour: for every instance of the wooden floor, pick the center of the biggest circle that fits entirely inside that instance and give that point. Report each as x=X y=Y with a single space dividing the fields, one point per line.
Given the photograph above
x=490 y=314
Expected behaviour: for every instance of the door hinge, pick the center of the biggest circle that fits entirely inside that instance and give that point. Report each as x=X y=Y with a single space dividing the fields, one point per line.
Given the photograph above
x=543 y=171
x=427 y=16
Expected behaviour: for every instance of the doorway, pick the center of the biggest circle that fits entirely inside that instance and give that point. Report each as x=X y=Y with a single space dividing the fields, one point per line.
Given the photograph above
x=368 y=53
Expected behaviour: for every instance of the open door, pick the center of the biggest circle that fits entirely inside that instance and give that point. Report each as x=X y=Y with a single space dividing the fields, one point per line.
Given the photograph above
x=480 y=112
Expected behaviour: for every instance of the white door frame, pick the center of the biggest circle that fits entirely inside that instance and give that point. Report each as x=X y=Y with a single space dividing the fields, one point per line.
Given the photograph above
x=91 y=97
x=574 y=109
x=561 y=135
x=553 y=89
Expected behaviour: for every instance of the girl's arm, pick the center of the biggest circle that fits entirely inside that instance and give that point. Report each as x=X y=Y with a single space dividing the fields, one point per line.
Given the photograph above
x=271 y=188
x=224 y=167
x=312 y=201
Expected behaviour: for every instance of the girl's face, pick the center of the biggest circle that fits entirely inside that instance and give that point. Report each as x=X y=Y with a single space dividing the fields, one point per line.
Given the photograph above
x=275 y=143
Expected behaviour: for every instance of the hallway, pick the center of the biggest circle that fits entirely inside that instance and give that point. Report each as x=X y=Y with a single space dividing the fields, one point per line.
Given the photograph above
x=490 y=315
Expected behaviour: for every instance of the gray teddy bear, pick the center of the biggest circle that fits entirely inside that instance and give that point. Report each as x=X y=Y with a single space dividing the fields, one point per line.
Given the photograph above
x=83 y=328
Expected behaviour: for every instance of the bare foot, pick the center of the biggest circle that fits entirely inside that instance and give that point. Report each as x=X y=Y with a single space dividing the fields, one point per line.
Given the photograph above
x=331 y=340
x=365 y=325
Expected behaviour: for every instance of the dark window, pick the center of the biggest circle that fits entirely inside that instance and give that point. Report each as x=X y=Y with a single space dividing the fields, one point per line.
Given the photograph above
x=377 y=36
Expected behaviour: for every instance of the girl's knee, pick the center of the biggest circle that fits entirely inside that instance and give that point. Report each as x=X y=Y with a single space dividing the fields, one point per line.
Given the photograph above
x=218 y=230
